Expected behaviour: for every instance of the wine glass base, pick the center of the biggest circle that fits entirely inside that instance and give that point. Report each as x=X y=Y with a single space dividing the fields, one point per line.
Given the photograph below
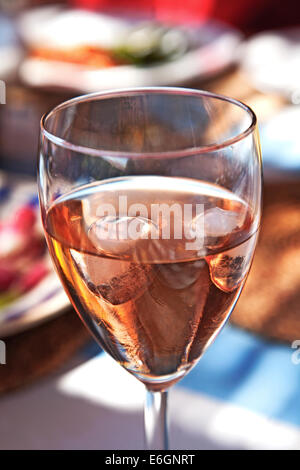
x=161 y=383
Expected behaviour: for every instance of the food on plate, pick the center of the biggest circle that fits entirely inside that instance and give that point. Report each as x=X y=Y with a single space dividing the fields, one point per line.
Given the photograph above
x=23 y=256
x=152 y=42
x=84 y=55
x=98 y=41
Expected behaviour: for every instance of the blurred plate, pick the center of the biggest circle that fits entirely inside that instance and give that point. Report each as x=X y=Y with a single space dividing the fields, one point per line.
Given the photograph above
x=42 y=303
x=272 y=62
x=10 y=51
x=281 y=144
x=10 y=58
x=215 y=47
x=47 y=299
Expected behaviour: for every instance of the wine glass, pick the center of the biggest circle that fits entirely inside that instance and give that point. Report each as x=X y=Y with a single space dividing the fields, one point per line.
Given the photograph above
x=151 y=204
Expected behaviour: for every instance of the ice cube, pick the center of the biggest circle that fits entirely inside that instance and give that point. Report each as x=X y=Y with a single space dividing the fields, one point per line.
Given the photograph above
x=119 y=235
x=217 y=223
x=180 y=275
x=127 y=286
x=229 y=269
x=115 y=281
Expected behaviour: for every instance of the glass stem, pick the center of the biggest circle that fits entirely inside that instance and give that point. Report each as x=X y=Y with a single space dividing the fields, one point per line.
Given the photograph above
x=155 y=416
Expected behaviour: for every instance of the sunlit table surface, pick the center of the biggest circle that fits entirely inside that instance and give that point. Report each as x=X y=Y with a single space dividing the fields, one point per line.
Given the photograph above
x=243 y=394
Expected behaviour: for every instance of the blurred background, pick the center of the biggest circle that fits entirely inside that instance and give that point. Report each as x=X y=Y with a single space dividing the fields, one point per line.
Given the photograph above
x=56 y=388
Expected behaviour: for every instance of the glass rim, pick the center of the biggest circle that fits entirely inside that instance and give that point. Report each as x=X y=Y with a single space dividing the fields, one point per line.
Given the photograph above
x=141 y=90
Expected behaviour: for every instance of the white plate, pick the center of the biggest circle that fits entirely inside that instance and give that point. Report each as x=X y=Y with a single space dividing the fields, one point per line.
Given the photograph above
x=281 y=144
x=44 y=302
x=272 y=62
x=216 y=48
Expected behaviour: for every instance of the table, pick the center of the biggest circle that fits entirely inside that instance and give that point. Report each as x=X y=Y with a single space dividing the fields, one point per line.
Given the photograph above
x=243 y=394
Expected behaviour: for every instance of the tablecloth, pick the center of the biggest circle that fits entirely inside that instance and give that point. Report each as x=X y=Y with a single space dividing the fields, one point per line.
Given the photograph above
x=243 y=394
